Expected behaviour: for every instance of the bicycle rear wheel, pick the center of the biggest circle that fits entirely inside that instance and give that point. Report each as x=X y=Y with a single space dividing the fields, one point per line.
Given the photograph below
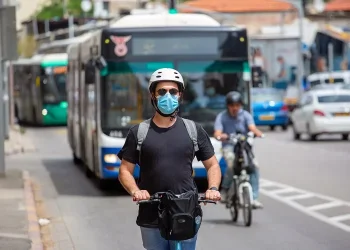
x=247 y=207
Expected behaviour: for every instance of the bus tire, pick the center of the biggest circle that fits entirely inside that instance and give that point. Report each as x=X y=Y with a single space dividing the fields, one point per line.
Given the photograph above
x=34 y=117
x=88 y=173
x=102 y=184
x=76 y=159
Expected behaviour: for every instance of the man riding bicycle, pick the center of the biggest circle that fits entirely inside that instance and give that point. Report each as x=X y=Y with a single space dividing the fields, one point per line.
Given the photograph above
x=232 y=120
x=166 y=158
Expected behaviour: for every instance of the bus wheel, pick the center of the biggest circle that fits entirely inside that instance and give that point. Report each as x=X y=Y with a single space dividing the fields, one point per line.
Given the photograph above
x=76 y=159
x=102 y=184
x=88 y=173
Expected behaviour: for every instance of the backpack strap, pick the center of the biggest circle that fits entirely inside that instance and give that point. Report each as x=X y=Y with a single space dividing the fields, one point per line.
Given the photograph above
x=141 y=135
x=192 y=132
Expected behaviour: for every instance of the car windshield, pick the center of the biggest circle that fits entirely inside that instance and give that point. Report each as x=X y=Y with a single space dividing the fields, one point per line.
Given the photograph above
x=267 y=95
x=333 y=98
x=126 y=100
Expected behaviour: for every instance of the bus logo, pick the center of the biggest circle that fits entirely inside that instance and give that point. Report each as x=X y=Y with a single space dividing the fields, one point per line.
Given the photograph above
x=120 y=45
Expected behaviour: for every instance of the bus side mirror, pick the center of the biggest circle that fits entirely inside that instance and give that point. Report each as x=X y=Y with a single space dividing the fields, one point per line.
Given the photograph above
x=90 y=73
x=101 y=63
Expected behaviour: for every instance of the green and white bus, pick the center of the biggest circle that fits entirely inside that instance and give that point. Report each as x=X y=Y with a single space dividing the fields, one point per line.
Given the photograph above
x=109 y=72
x=39 y=84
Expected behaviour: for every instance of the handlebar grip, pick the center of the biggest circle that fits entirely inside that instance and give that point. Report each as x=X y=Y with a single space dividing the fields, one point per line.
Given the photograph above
x=142 y=202
x=207 y=201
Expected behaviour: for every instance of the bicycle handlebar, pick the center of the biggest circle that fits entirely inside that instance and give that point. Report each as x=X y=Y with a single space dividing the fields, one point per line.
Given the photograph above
x=154 y=199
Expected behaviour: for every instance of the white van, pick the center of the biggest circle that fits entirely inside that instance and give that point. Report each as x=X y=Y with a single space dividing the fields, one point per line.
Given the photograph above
x=329 y=78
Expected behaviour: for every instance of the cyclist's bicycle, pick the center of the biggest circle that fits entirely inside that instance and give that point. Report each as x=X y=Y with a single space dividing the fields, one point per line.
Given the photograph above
x=240 y=195
x=156 y=198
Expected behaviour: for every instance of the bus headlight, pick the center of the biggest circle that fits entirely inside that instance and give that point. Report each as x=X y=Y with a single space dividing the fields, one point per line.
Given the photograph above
x=111 y=158
x=44 y=112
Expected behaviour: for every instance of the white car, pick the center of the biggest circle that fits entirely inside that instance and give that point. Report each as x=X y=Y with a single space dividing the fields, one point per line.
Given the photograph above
x=322 y=112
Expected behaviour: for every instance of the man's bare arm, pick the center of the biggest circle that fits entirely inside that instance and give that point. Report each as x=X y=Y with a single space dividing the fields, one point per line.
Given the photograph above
x=255 y=130
x=213 y=172
x=126 y=177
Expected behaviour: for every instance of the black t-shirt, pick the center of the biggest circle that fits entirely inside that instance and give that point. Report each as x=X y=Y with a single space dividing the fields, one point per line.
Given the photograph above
x=166 y=162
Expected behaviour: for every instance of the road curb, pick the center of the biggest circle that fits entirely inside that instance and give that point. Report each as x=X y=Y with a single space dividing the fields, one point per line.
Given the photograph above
x=33 y=225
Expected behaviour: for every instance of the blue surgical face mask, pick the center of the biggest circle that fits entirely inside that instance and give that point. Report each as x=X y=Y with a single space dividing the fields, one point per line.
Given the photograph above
x=167 y=103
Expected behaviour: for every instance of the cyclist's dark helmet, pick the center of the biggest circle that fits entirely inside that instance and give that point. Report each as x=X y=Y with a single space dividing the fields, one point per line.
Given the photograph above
x=233 y=97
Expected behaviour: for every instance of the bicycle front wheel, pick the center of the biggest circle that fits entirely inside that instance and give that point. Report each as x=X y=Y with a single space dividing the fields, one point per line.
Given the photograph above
x=234 y=208
x=247 y=207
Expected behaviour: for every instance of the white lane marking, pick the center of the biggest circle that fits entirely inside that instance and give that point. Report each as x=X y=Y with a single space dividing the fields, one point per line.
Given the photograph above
x=282 y=191
x=299 y=197
x=266 y=184
x=326 y=205
x=341 y=217
x=334 y=221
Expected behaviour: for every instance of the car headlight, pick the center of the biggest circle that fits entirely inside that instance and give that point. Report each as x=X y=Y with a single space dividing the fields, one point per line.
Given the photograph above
x=111 y=158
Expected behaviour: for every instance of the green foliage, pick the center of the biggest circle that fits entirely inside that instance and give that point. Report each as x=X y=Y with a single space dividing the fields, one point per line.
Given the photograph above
x=56 y=10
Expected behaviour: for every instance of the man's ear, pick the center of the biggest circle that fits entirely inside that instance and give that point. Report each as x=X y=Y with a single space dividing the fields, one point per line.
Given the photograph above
x=153 y=97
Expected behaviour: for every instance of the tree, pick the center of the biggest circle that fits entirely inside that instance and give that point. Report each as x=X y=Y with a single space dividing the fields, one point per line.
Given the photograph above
x=56 y=10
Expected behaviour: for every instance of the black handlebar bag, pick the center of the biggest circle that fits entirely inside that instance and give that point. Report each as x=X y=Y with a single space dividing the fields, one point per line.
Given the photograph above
x=179 y=216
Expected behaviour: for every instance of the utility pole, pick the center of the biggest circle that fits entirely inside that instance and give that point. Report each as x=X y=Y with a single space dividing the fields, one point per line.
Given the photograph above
x=8 y=51
x=2 y=129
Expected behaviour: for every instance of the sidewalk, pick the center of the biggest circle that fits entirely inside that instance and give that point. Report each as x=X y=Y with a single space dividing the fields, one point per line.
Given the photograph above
x=18 y=142
x=13 y=214
x=19 y=228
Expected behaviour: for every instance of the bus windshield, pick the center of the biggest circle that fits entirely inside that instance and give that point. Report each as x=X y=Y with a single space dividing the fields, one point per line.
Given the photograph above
x=126 y=101
x=54 y=87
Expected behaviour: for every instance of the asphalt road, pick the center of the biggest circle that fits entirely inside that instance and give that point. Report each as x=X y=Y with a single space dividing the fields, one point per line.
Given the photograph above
x=88 y=219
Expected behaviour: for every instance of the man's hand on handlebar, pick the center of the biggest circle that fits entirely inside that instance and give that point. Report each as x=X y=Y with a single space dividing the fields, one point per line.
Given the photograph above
x=212 y=195
x=140 y=195
x=222 y=137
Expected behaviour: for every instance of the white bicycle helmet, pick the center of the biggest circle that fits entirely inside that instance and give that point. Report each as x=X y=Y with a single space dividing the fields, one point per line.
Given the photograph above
x=166 y=74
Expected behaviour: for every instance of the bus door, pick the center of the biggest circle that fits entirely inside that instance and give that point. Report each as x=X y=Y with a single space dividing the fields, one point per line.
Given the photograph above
x=82 y=107
x=26 y=94
x=36 y=93
x=76 y=110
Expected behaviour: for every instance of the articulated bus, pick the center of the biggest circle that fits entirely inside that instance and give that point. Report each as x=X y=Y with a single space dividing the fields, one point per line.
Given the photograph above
x=109 y=73
x=40 y=89
x=59 y=46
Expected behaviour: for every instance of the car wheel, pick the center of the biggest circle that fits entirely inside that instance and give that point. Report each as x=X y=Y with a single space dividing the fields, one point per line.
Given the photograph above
x=345 y=137
x=272 y=128
x=296 y=135
x=284 y=127
x=312 y=137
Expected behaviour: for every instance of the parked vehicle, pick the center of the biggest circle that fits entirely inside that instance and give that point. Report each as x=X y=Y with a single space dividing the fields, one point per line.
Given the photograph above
x=323 y=112
x=269 y=108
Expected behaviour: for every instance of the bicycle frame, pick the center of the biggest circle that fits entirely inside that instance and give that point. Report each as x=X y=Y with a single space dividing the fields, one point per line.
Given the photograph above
x=244 y=182
x=241 y=157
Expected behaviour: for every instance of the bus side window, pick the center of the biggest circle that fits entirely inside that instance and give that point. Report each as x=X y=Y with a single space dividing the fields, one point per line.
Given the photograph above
x=90 y=73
